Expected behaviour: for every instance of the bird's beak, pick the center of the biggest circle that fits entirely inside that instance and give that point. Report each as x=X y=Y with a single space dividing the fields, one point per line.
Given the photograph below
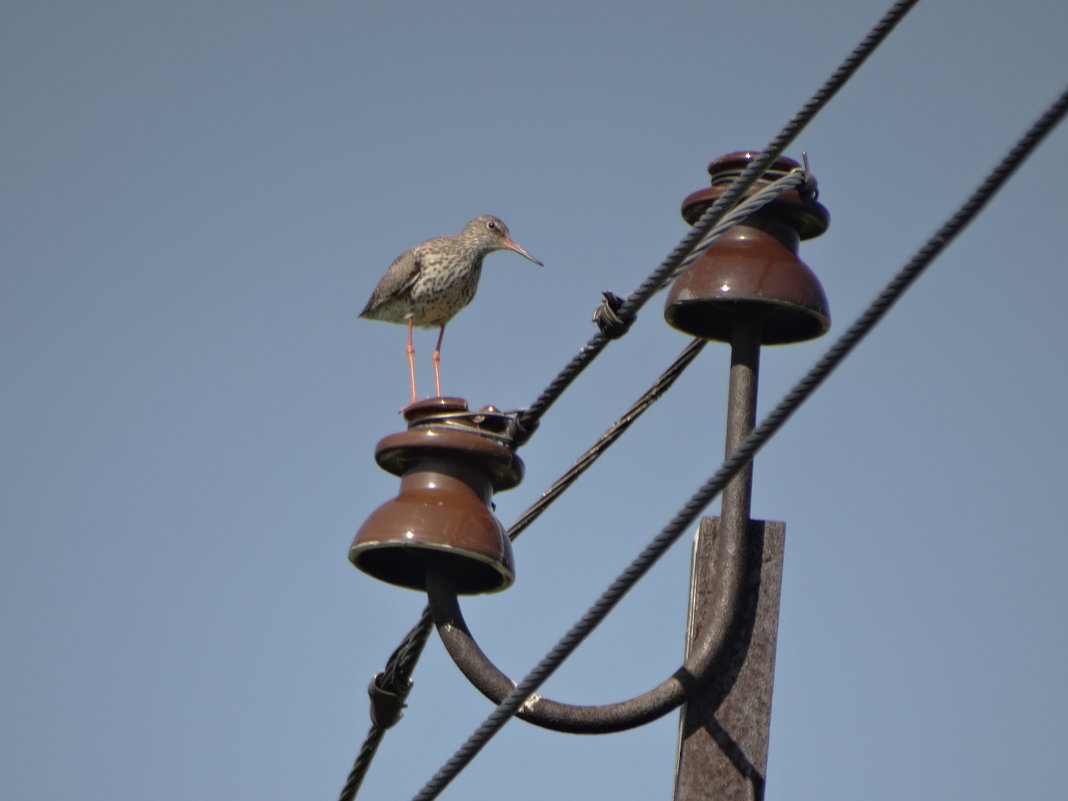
x=510 y=245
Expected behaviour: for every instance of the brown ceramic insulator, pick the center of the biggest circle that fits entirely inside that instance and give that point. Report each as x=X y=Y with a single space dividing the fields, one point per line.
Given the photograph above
x=450 y=462
x=443 y=425
x=753 y=269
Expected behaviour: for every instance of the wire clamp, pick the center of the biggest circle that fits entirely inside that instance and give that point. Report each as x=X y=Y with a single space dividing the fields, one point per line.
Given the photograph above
x=607 y=318
x=387 y=704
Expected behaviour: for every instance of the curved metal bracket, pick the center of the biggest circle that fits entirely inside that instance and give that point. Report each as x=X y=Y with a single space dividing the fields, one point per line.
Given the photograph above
x=710 y=656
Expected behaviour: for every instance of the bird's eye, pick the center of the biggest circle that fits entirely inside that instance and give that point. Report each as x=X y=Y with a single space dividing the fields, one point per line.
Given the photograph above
x=492 y=225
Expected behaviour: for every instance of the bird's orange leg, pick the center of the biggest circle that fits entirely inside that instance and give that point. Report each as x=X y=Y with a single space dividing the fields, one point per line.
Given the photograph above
x=437 y=360
x=411 y=362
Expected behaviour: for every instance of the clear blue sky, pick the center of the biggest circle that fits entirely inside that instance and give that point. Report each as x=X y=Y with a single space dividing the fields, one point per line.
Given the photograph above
x=197 y=199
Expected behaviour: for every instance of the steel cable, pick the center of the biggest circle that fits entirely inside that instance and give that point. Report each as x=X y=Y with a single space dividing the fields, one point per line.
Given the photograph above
x=611 y=434
x=363 y=762
x=527 y=421
x=759 y=437
x=389 y=690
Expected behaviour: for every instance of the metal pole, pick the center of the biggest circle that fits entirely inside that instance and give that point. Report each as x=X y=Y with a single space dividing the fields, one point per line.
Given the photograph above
x=741 y=415
x=723 y=733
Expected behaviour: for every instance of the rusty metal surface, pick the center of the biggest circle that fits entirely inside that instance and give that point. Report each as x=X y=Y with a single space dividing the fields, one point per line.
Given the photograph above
x=742 y=387
x=724 y=729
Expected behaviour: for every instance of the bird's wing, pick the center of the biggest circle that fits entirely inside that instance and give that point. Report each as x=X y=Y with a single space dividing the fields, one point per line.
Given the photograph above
x=397 y=280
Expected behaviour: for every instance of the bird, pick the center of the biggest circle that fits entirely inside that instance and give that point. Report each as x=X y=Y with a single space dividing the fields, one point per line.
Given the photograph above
x=427 y=285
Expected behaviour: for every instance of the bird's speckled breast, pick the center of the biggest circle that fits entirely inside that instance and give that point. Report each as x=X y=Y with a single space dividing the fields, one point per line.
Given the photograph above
x=441 y=290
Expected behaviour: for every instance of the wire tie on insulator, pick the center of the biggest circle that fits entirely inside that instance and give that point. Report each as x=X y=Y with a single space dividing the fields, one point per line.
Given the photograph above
x=809 y=191
x=520 y=429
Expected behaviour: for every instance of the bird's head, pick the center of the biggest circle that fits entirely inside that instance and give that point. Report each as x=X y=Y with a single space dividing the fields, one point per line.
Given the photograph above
x=489 y=234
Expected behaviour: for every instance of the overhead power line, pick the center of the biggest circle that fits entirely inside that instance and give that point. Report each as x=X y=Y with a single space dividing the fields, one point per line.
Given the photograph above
x=745 y=452
x=527 y=421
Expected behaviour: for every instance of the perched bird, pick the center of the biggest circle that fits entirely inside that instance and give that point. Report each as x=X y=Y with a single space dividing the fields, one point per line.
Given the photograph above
x=427 y=285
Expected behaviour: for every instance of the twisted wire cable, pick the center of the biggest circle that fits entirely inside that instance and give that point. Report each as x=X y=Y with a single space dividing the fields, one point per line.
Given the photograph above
x=363 y=762
x=389 y=690
x=744 y=453
x=611 y=434
x=527 y=421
